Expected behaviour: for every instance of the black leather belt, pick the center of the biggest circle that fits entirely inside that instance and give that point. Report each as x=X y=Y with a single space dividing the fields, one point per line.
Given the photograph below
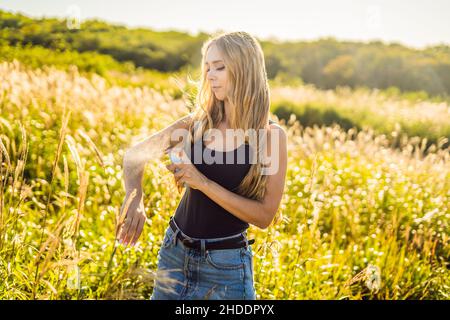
x=233 y=243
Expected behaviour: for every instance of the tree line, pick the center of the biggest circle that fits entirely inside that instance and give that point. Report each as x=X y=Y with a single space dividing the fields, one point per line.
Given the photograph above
x=326 y=63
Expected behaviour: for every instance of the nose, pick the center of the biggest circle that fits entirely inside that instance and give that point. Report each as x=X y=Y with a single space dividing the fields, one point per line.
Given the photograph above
x=211 y=75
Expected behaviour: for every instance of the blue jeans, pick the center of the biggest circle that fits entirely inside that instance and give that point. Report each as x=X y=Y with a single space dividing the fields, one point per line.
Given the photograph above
x=192 y=274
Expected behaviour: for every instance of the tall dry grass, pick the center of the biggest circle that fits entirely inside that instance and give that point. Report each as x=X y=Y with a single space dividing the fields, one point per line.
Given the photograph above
x=358 y=219
x=366 y=108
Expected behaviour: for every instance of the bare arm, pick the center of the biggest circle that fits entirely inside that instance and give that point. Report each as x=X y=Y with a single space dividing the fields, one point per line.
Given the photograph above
x=134 y=162
x=150 y=148
x=258 y=213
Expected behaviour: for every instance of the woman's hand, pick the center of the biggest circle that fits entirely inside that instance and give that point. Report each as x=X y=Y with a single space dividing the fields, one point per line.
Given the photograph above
x=186 y=172
x=131 y=227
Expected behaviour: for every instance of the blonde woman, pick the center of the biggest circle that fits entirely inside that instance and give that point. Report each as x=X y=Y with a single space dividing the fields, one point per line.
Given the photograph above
x=230 y=182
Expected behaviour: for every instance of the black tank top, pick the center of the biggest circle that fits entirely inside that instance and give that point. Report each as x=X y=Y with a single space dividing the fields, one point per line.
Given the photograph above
x=200 y=217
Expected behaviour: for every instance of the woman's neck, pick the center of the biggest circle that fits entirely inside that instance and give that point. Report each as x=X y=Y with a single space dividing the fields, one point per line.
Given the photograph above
x=227 y=117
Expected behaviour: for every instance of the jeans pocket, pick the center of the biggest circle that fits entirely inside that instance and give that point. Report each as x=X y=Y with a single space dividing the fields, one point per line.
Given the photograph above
x=168 y=238
x=248 y=251
x=225 y=259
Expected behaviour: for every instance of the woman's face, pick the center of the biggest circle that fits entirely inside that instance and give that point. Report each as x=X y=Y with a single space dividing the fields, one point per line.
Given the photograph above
x=216 y=72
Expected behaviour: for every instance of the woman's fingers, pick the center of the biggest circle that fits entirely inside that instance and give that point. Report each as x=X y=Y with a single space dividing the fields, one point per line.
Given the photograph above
x=178 y=175
x=173 y=167
x=131 y=234
x=121 y=231
x=137 y=223
x=127 y=229
x=138 y=231
x=132 y=230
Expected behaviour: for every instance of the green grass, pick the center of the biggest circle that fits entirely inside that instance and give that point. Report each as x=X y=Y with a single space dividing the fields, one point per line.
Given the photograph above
x=363 y=108
x=90 y=63
x=358 y=220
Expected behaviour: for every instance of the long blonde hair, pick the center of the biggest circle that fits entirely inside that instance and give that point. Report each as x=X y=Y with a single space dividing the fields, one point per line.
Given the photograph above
x=249 y=98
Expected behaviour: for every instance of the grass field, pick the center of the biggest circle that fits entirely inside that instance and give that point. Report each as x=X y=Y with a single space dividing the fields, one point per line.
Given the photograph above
x=359 y=218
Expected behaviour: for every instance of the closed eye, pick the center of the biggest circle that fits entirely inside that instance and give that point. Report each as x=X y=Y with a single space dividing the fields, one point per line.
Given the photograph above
x=221 y=68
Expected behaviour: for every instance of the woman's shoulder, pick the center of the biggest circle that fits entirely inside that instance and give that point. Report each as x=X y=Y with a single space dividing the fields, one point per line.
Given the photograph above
x=273 y=125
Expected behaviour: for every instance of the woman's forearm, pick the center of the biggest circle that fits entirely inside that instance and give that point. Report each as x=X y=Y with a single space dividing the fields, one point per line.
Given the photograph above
x=151 y=148
x=132 y=176
x=135 y=159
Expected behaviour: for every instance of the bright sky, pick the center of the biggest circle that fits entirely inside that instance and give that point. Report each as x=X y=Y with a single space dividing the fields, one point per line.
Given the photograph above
x=415 y=23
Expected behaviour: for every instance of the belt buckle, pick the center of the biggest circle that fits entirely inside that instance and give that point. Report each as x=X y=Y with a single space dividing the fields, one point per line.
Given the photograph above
x=188 y=242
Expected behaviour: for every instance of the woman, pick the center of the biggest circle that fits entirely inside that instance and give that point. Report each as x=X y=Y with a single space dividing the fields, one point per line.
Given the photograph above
x=205 y=253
